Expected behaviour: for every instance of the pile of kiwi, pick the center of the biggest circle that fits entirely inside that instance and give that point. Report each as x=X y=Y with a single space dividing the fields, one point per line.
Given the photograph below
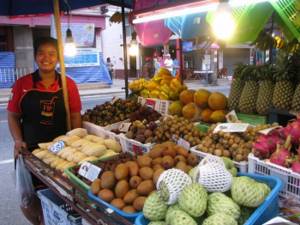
x=127 y=185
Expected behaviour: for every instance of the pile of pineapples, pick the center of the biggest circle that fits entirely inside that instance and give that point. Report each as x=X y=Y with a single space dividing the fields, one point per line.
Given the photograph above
x=257 y=89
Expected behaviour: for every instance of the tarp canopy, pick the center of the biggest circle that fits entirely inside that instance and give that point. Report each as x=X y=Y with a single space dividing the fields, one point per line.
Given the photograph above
x=188 y=27
x=25 y=7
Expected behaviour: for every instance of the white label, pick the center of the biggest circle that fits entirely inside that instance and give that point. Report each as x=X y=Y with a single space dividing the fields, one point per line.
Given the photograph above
x=56 y=147
x=124 y=127
x=231 y=117
x=109 y=210
x=89 y=171
x=183 y=143
x=268 y=130
x=114 y=99
x=231 y=127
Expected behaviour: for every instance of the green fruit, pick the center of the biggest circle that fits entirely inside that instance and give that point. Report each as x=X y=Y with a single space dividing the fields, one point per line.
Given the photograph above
x=247 y=192
x=181 y=218
x=193 y=200
x=175 y=108
x=157 y=223
x=154 y=208
x=220 y=219
x=220 y=203
x=170 y=211
x=228 y=162
x=233 y=171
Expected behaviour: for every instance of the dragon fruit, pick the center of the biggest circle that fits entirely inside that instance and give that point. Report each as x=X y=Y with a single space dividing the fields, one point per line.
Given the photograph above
x=296 y=165
x=282 y=153
x=265 y=145
x=293 y=129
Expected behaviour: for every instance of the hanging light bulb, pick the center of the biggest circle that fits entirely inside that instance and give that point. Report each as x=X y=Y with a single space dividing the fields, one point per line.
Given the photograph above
x=70 y=47
x=223 y=24
x=133 y=48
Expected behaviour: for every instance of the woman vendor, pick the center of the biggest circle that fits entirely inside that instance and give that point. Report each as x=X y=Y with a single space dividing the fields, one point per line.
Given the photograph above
x=36 y=111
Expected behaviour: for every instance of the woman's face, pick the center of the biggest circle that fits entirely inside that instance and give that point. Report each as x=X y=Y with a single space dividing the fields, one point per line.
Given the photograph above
x=46 y=58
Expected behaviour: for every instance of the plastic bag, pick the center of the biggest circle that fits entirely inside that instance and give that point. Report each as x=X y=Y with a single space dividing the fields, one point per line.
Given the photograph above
x=24 y=186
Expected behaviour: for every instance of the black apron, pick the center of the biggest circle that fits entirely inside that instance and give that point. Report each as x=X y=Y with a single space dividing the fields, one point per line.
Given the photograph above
x=43 y=114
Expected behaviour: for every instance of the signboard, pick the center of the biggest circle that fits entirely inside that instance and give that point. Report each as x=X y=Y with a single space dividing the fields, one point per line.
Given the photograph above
x=84 y=57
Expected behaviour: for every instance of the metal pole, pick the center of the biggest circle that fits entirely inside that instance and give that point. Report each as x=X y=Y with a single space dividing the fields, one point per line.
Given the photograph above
x=61 y=60
x=179 y=57
x=125 y=49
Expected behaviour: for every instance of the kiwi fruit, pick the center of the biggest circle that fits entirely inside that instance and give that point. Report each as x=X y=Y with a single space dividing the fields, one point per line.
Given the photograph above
x=135 y=181
x=157 y=161
x=133 y=168
x=192 y=160
x=144 y=160
x=146 y=173
x=121 y=188
x=145 y=187
x=96 y=186
x=156 y=151
x=157 y=166
x=138 y=203
x=168 y=162
x=129 y=209
x=118 y=203
x=179 y=158
x=156 y=175
x=130 y=196
x=108 y=180
x=121 y=171
x=182 y=166
x=106 y=195
x=182 y=151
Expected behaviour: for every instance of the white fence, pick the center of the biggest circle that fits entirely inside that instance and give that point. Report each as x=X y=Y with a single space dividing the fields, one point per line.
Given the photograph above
x=9 y=75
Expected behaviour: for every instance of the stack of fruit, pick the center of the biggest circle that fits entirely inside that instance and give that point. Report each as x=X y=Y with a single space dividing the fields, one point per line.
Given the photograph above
x=109 y=113
x=145 y=113
x=281 y=146
x=173 y=128
x=142 y=131
x=162 y=86
x=236 y=146
x=196 y=205
x=74 y=148
x=200 y=105
x=127 y=186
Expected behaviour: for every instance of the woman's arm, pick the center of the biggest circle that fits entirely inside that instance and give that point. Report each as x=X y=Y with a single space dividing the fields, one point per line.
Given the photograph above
x=76 y=120
x=16 y=133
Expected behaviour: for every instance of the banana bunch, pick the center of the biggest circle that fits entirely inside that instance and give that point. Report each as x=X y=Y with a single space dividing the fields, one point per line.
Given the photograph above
x=137 y=85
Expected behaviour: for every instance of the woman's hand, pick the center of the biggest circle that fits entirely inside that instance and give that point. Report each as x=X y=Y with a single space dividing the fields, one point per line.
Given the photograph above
x=19 y=147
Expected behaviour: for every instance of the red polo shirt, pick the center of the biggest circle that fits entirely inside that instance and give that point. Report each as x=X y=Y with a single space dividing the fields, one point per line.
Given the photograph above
x=25 y=84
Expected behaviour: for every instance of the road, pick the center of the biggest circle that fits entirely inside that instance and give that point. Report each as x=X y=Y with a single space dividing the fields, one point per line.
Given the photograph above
x=9 y=210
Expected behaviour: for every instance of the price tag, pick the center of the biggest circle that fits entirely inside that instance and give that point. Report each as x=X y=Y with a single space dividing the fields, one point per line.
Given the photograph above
x=231 y=117
x=109 y=210
x=114 y=99
x=56 y=147
x=89 y=171
x=268 y=130
x=183 y=143
x=124 y=127
x=150 y=103
x=231 y=127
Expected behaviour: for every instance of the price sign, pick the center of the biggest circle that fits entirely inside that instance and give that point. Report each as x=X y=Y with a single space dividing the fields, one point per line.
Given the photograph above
x=183 y=143
x=231 y=127
x=124 y=127
x=268 y=130
x=150 y=103
x=89 y=171
x=231 y=117
x=56 y=147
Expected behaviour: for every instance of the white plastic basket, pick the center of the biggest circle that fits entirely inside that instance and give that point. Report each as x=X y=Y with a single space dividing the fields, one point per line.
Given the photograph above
x=100 y=131
x=161 y=106
x=241 y=166
x=133 y=146
x=290 y=179
x=56 y=211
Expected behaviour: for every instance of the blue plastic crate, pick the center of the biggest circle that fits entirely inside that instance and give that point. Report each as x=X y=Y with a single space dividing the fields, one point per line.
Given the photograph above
x=130 y=216
x=266 y=211
x=56 y=211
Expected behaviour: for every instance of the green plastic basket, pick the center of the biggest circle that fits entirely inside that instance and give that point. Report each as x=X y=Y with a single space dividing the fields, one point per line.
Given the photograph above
x=252 y=119
x=250 y=20
x=287 y=11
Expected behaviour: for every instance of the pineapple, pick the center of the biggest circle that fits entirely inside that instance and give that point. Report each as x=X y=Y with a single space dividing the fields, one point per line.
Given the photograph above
x=247 y=103
x=284 y=87
x=236 y=88
x=296 y=97
x=266 y=88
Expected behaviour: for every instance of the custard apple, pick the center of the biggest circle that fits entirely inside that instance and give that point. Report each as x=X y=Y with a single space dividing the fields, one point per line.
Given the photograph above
x=220 y=203
x=193 y=200
x=220 y=219
x=170 y=211
x=180 y=217
x=157 y=223
x=247 y=192
x=154 y=208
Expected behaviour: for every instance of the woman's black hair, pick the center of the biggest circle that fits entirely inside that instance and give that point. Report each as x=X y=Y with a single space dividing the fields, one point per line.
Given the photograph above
x=45 y=40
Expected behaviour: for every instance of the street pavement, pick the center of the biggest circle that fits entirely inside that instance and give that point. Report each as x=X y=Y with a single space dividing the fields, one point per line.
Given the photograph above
x=9 y=209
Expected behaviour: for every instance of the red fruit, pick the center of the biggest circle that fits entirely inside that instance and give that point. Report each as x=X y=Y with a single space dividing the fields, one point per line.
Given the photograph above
x=265 y=145
x=293 y=129
x=296 y=166
x=282 y=153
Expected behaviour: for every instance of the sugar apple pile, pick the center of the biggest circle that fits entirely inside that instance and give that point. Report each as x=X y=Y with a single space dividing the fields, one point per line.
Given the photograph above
x=195 y=206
